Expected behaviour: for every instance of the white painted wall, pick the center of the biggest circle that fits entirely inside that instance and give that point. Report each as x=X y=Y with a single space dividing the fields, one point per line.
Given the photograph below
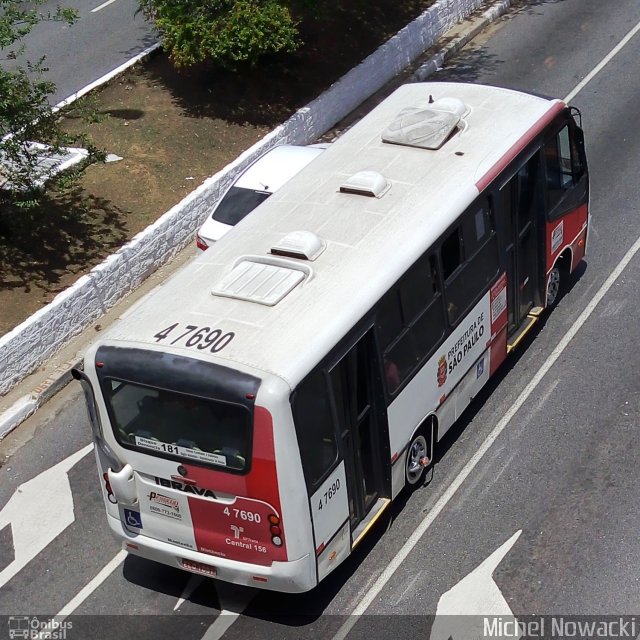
x=34 y=341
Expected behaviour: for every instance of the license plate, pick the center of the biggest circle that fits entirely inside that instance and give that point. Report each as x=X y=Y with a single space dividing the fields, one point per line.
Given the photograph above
x=199 y=567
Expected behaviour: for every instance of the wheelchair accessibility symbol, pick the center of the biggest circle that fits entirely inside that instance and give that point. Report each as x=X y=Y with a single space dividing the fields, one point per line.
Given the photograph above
x=132 y=519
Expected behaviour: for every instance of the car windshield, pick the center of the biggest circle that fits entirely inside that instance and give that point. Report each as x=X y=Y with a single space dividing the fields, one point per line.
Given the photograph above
x=237 y=203
x=180 y=426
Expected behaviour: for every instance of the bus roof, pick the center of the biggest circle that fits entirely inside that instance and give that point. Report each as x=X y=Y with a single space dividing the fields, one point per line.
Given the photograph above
x=365 y=242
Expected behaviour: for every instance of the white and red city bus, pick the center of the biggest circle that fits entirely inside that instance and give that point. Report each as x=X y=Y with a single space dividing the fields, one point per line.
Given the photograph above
x=256 y=413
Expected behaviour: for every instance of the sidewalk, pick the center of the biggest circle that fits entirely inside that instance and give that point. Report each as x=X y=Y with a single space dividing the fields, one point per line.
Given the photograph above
x=36 y=389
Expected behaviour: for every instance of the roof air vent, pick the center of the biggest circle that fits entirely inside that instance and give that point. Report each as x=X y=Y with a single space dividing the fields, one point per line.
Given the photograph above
x=261 y=279
x=425 y=127
x=366 y=183
x=304 y=245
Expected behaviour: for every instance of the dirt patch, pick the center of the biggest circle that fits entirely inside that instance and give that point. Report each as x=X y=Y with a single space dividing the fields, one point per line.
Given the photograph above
x=172 y=130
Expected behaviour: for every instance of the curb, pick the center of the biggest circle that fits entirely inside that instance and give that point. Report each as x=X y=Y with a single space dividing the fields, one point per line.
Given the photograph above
x=436 y=62
x=106 y=77
x=28 y=404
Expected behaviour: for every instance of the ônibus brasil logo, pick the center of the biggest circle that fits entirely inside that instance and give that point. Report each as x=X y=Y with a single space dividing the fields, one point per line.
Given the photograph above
x=32 y=628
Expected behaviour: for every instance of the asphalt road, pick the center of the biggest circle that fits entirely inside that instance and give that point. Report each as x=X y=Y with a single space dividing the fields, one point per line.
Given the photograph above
x=106 y=35
x=559 y=481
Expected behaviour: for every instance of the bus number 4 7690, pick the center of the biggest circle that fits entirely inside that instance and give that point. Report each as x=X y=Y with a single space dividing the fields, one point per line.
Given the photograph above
x=241 y=514
x=329 y=493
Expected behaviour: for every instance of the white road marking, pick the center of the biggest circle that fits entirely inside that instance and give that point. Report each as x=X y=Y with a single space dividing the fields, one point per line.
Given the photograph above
x=451 y=490
x=38 y=512
x=412 y=583
x=193 y=583
x=233 y=600
x=102 y=6
x=92 y=585
x=461 y=610
x=604 y=62
x=82 y=595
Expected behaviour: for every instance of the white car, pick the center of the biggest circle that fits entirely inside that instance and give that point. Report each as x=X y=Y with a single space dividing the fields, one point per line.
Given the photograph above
x=255 y=184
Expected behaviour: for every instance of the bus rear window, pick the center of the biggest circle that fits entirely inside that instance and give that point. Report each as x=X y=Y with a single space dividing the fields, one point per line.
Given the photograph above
x=179 y=426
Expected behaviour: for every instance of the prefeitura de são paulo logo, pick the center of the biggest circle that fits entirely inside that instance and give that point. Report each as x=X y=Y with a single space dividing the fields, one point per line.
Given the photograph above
x=442 y=371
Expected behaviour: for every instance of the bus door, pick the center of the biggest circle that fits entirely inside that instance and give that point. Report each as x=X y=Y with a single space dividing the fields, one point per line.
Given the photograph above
x=362 y=428
x=521 y=198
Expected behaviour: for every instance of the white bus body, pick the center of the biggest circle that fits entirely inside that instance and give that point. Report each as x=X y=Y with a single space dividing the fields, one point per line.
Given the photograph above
x=256 y=413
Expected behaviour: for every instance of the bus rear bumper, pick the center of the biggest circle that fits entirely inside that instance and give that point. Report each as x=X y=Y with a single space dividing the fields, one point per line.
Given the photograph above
x=296 y=576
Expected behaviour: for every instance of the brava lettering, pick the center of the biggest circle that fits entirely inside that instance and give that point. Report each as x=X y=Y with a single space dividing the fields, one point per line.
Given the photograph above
x=185 y=488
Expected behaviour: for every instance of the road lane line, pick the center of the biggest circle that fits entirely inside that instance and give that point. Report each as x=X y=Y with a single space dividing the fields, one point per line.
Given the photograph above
x=233 y=600
x=91 y=586
x=102 y=6
x=81 y=596
x=193 y=583
x=46 y=497
x=604 y=62
x=451 y=490
x=478 y=455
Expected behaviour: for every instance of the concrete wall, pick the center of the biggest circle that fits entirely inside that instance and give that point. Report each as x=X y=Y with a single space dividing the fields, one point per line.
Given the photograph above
x=34 y=341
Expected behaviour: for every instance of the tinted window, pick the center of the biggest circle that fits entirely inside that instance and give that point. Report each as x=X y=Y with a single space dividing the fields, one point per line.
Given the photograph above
x=417 y=288
x=410 y=322
x=451 y=253
x=389 y=318
x=476 y=227
x=480 y=265
x=237 y=203
x=178 y=425
x=315 y=428
x=559 y=166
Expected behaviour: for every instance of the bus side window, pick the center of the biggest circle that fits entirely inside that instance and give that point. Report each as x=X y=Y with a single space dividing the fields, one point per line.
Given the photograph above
x=559 y=166
x=479 y=264
x=315 y=428
x=451 y=253
x=410 y=322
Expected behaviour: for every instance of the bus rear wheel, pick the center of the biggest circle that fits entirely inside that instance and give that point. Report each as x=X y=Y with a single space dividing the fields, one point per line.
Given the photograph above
x=417 y=460
x=557 y=281
x=553 y=286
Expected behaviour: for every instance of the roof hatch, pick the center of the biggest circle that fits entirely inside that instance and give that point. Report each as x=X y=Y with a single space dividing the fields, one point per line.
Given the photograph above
x=366 y=183
x=261 y=279
x=425 y=127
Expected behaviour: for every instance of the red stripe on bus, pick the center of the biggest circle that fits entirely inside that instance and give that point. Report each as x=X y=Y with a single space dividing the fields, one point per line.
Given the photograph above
x=498 y=305
x=579 y=248
x=519 y=146
x=258 y=493
x=261 y=482
x=498 y=351
x=572 y=224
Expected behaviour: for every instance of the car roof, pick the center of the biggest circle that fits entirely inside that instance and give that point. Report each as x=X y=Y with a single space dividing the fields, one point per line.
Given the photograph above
x=271 y=170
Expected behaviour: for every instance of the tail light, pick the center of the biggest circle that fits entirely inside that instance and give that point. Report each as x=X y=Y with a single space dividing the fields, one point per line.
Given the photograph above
x=200 y=243
x=275 y=530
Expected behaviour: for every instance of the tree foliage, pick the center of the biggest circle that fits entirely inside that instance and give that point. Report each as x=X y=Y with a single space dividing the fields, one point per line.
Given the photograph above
x=225 y=32
x=26 y=116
